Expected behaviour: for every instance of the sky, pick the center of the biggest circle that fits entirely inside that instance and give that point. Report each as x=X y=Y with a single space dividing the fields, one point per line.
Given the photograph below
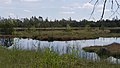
x=54 y=9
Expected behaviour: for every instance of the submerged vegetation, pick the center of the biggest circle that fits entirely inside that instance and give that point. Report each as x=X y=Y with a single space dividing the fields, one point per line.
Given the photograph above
x=46 y=59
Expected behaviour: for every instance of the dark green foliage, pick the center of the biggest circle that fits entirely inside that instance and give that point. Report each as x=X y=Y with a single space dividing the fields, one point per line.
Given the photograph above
x=7 y=26
x=40 y=23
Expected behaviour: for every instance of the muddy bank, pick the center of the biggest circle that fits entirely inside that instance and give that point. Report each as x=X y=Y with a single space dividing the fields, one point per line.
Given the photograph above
x=106 y=51
x=57 y=37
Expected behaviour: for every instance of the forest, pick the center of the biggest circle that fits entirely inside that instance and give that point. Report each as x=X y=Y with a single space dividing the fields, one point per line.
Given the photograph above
x=39 y=22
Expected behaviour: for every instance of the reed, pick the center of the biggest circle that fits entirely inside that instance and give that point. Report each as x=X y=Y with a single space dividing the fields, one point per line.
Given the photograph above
x=46 y=58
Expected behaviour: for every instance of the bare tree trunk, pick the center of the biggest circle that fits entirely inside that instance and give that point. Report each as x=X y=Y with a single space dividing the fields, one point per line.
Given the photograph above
x=113 y=2
x=103 y=12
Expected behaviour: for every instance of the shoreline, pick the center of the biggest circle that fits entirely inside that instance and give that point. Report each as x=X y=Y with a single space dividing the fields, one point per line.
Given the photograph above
x=105 y=51
x=54 y=38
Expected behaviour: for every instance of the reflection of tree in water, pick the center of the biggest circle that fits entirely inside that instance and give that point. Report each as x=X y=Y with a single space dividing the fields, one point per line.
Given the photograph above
x=6 y=42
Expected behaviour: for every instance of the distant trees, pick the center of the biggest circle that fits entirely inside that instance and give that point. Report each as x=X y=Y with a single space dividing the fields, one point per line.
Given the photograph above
x=7 y=25
x=39 y=22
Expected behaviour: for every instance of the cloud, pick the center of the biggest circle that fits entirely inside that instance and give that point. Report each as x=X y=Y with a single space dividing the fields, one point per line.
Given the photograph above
x=87 y=5
x=78 y=6
x=30 y=0
x=12 y=15
x=67 y=7
x=98 y=8
x=6 y=1
x=27 y=11
x=106 y=10
x=72 y=6
x=68 y=12
x=52 y=0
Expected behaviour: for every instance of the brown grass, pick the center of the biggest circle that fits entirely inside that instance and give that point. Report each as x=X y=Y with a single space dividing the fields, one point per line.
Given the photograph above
x=113 y=48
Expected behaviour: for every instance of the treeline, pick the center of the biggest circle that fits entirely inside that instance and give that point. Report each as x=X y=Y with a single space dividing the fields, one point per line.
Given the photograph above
x=39 y=22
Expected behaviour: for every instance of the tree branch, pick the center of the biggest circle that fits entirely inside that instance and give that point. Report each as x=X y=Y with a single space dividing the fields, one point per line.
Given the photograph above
x=103 y=9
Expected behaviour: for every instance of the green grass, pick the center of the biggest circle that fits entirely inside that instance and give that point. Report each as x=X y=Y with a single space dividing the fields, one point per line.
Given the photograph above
x=65 y=34
x=46 y=59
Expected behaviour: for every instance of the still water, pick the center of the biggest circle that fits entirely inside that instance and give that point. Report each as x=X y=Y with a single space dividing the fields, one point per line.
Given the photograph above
x=62 y=47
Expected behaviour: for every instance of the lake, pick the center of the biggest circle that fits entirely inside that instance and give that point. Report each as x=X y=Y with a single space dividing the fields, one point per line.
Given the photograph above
x=62 y=47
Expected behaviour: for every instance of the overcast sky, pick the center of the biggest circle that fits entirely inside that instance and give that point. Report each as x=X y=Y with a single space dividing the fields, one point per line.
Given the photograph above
x=53 y=9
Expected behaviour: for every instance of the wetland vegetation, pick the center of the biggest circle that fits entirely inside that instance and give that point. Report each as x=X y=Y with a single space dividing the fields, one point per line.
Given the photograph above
x=59 y=32
x=43 y=29
x=42 y=43
x=46 y=59
x=43 y=54
x=107 y=50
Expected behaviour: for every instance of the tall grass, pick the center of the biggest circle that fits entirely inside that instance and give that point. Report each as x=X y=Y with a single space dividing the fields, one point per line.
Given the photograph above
x=46 y=58
x=67 y=34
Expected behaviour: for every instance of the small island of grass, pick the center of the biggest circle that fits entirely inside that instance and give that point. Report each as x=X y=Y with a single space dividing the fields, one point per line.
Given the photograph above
x=108 y=50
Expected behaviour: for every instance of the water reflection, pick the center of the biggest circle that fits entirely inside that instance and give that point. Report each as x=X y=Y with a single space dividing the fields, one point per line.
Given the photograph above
x=63 y=47
x=6 y=42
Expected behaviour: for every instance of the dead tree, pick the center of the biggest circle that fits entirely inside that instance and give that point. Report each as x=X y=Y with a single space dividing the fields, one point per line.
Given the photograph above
x=104 y=7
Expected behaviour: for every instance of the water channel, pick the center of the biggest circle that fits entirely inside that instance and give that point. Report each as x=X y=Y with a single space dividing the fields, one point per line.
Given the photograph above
x=63 y=47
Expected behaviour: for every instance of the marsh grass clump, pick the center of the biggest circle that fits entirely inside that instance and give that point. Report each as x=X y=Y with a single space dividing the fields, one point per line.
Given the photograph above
x=87 y=28
x=68 y=28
